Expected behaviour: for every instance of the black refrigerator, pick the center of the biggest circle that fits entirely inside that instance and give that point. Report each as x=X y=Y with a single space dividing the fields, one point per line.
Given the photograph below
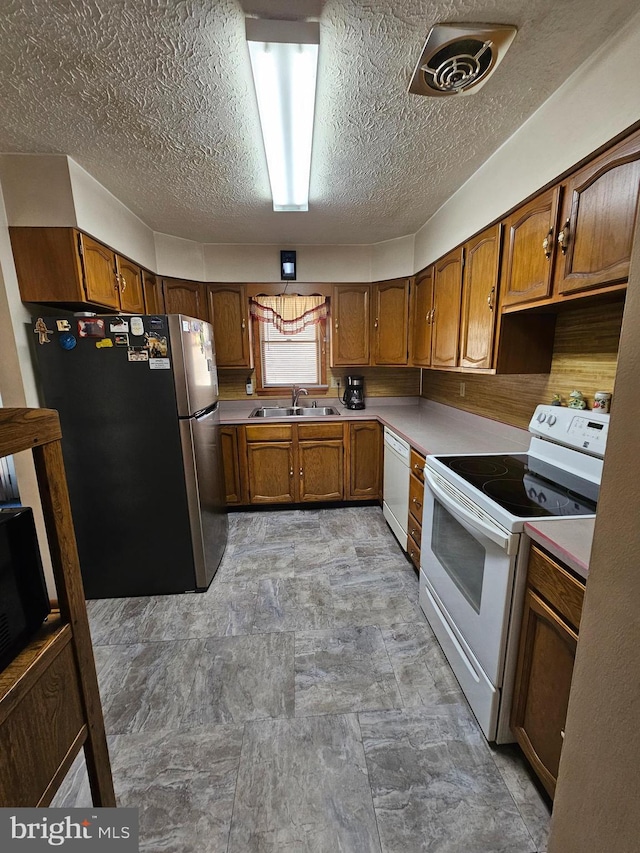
x=138 y=405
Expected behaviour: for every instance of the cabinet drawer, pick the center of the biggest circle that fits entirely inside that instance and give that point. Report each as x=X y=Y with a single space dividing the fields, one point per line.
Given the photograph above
x=416 y=498
x=417 y=465
x=277 y=432
x=319 y=430
x=414 y=529
x=556 y=585
x=414 y=552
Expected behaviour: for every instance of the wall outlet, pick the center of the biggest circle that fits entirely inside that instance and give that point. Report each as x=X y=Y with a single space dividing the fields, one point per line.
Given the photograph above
x=463 y=389
x=334 y=382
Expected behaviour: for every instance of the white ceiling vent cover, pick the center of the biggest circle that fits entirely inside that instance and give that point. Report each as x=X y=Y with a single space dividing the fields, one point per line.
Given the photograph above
x=459 y=58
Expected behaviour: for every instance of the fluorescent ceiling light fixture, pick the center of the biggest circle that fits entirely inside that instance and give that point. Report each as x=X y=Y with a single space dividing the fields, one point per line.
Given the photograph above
x=284 y=62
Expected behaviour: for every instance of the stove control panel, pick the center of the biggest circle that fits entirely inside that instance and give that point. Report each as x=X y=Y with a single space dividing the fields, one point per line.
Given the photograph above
x=575 y=428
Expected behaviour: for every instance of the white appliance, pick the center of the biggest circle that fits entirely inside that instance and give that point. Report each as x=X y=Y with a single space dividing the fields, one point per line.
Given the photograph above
x=473 y=570
x=395 y=505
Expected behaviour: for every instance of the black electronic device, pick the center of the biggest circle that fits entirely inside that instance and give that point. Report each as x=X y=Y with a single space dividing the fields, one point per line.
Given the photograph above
x=353 y=396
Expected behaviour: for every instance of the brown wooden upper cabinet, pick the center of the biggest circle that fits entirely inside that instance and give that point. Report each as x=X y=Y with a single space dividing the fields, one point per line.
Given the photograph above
x=421 y=315
x=598 y=220
x=130 y=286
x=529 y=250
x=447 y=292
x=64 y=266
x=390 y=322
x=350 y=326
x=479 y=299
x=153 y=299
x=228 y=310
x=185 y=297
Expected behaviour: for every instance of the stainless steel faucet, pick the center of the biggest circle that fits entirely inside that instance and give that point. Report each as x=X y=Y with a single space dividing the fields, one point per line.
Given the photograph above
x=295 y=393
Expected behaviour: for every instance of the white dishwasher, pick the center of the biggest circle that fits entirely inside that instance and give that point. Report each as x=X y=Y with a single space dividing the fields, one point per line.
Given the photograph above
x=395 y=505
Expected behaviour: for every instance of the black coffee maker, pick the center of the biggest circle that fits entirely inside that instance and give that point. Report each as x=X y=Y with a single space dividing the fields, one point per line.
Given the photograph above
x=353 y=396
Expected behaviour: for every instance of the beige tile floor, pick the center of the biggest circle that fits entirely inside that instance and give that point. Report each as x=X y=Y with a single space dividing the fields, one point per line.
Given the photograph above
x=300 y=705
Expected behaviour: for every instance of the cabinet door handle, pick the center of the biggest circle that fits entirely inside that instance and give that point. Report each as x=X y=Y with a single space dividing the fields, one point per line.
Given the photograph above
x=417 y=467
x=291 y=472
x=563 y=237
x=547 y=244
x=562 y=734
x=123 y=282
x=416 y=502
x=301 y=472
x=243 y=325
x=413 y=532
x=375 y=325
x=336 y=326
x=116 y=286
x=490 y=298
x=433 y=315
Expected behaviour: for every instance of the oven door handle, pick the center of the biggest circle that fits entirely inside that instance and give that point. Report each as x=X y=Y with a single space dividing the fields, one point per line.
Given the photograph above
x=507 y=542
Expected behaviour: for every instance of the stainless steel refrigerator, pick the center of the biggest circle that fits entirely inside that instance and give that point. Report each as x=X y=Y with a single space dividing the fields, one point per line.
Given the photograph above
x=138 y=405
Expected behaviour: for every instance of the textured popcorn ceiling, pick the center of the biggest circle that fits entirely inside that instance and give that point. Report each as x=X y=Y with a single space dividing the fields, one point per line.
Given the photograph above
x=154 y=99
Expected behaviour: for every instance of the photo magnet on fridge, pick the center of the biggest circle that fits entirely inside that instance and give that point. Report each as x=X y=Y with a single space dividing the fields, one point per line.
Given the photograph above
x=119 y=326
x=63 y=325
x=137 y=354
x=157 y=345
x=93 y=328
x=121 y=340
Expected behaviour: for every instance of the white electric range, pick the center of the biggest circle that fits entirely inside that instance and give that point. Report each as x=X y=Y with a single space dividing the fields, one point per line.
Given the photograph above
x=473 y=568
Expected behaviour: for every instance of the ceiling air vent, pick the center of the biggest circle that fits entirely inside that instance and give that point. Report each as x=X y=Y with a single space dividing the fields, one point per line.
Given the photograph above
x=459 y=58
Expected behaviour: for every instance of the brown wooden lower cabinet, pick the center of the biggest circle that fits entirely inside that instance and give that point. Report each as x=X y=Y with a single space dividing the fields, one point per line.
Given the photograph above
x=548 y=640
x=233 y=451
x=321 y=470
x=301 y=463
x=365 y=460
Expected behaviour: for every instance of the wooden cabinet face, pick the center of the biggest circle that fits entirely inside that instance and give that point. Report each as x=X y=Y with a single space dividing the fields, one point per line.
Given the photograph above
x=479 y=299
x=391 y=322
x=421 y=317
x=184 y=297
x=446 y=316
x=350 y=332
x=130 y=286
x=321 y=470
x=233 y=448
x=271 y=472
x=548 y=638
x=229 y=315
x=598 y=219
x=545 y=669
x=99 y=267
x=152 y=289
x=529 y=251
x=365 y=460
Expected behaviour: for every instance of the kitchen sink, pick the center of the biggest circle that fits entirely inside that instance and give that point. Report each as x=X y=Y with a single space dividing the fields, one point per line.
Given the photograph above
x=293 y=412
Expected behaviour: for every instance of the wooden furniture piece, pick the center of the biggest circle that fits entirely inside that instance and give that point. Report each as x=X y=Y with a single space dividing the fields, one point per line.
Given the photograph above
x=365 y=460
x=390 y=332
x=445 y=318
x=548 y=639
x=350 y=333
x=479 y=300
x=311 y=462
x=185 y=297
x=416 y=502
x=49 y=700
x=420 y=318
x=63 y=266
x=228 y=309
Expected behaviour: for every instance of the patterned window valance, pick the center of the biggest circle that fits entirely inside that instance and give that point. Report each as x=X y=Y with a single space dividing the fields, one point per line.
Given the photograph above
x=290 y=314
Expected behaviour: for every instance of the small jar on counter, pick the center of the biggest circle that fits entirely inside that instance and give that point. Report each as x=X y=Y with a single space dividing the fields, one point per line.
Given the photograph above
x=602 y=401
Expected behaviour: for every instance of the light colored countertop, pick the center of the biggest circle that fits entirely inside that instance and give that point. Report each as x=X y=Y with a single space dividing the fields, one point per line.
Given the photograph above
x=428 y=427
x=434 y=428
x=569 y=540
